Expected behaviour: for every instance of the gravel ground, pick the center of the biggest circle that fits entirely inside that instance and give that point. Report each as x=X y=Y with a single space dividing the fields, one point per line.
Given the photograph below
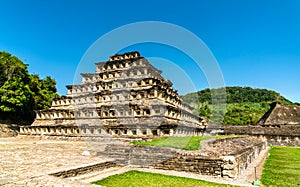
x=27 y=162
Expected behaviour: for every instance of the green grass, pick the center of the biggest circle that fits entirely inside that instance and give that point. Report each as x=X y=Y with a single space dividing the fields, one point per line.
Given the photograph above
x=185 y=143
x=282 y=167
x=137 y=179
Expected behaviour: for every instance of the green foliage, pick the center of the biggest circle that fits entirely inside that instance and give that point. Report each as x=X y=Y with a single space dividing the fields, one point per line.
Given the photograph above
x=236 y=95
x=135 y=178
x=243 y=106
x=43 y=91
x=244 y=113
x=282 y=167
x=20 y=92
x=204 y=109
x=185 y=143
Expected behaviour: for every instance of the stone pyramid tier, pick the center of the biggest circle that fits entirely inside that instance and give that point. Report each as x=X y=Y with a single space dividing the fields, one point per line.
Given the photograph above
x=125 y=97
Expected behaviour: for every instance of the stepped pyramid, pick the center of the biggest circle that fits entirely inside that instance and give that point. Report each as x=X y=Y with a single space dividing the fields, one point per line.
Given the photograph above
x=125 y=97
x=279 y=114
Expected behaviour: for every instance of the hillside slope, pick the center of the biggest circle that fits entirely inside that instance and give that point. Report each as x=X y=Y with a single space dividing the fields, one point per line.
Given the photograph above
x=244 y=105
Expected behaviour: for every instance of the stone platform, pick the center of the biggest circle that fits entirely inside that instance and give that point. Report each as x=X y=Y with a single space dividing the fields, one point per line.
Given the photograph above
x=28 y=162
x=226 y=158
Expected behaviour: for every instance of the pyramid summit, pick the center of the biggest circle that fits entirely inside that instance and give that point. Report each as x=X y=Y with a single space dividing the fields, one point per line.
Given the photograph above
x=125 y=97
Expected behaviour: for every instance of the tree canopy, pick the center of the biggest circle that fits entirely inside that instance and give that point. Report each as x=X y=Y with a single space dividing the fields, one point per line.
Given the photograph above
x=21 y=92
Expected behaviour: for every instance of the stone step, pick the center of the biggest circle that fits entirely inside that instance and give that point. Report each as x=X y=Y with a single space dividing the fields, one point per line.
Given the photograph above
x=84 y=169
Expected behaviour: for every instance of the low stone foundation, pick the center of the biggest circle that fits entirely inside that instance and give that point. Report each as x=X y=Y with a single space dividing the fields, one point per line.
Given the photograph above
x=217 y=164
x=209 y=161
x=283 y=135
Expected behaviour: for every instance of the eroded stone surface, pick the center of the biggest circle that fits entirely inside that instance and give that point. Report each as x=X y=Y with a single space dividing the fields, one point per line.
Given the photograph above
x=8 y=130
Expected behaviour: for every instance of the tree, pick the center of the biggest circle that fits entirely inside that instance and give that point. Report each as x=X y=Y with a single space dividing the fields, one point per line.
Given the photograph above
x=20 y=92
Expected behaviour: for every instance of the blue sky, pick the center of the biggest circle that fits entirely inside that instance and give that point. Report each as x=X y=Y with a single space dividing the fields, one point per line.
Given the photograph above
x=256 y=42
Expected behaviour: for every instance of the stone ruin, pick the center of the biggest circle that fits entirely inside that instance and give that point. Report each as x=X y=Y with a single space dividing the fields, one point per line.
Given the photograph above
x=281 y=115
x=128 y=98
x=125 y=97
x=280 y=126
x=226 y=158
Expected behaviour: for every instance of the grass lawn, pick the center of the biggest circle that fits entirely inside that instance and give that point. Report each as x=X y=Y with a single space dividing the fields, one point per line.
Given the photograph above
x=185 y=143
x=137 y=179
x=282 y=167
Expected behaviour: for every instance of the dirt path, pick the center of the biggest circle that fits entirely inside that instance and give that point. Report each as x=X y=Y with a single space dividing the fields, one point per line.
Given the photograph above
x=258 y=163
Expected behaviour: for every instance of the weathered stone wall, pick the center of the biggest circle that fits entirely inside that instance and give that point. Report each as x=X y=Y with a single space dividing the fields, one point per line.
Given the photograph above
x=163 y=158
x=224 y=166
x=193 y=163
x=283 y=140
x=243 y=158
x=287 y=135
x=286 y=130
